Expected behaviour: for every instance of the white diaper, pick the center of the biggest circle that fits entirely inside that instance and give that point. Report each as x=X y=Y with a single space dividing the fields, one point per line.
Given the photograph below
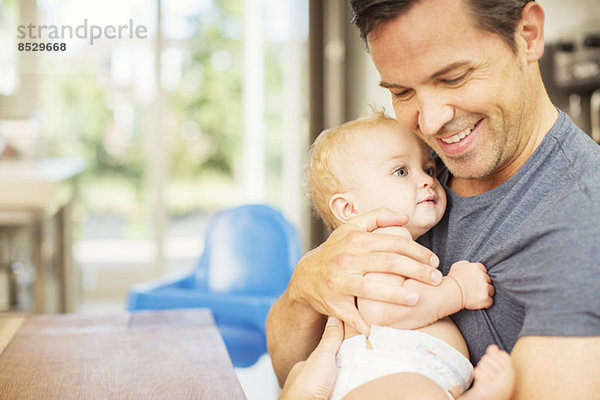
x=396 y=350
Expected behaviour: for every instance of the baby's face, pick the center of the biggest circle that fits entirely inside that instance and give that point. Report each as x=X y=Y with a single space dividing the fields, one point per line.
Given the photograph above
x=388 y=166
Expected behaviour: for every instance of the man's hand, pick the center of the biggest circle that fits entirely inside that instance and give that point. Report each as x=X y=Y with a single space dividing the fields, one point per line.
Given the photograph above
x=331 y=276
x=474 y=284
x=315 y=377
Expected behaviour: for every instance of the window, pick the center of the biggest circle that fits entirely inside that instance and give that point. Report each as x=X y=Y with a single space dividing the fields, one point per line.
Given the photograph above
x=205 y=109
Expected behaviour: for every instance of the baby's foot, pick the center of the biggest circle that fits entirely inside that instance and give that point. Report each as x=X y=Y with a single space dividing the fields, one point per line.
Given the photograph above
x=494 y=376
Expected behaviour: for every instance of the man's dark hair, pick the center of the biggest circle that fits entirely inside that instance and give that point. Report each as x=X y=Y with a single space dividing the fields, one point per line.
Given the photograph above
x=496 y=16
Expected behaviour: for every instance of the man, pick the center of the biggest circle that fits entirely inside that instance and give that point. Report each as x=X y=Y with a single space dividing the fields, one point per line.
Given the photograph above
x=523 y=185
x=315 y=377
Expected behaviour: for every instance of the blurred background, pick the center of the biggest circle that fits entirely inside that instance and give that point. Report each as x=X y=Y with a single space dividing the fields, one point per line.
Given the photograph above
x=206 y=112
x=114 y=154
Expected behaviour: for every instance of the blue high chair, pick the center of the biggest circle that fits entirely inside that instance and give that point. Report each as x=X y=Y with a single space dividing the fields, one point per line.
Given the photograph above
x=249 y=254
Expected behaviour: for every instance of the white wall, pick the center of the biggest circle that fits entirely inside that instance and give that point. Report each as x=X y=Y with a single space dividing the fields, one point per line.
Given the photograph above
x=565 y=18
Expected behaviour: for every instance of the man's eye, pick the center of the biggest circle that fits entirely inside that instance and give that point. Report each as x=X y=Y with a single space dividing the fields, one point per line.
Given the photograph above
x=430 y=171
x=402 y=95
x=455 y=81
x=401 y=172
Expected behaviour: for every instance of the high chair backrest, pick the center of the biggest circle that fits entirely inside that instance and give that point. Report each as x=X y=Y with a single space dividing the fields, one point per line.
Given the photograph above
x=250 y=250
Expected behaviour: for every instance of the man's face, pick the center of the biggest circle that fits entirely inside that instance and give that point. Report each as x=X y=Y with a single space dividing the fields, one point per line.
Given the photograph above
x=463 y=90
x=388 y=166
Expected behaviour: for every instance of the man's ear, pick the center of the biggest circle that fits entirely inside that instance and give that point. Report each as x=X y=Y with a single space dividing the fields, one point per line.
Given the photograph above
x=531 y=30
x=342 y=206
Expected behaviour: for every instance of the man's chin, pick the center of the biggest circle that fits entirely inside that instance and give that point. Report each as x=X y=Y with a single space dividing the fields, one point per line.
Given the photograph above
x=466 y=169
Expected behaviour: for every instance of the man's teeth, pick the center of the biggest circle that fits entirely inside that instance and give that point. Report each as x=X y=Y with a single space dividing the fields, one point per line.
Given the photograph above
x=458 y=137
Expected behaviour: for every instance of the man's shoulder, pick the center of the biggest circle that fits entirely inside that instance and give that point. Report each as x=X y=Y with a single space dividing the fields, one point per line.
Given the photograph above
x=576 y=147
x=575 y=205
x=566 y=163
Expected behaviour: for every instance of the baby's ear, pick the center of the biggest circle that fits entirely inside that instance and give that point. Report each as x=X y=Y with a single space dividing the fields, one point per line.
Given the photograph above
x=342 y=206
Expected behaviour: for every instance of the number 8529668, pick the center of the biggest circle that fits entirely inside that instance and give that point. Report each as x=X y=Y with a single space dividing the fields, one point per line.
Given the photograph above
x=42 y=46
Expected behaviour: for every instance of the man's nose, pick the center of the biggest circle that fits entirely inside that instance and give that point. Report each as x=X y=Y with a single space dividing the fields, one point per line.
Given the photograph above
x=434 y=113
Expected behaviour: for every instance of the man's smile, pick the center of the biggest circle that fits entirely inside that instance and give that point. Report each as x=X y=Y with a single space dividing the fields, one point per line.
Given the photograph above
x=458 y=142
x=458 y=137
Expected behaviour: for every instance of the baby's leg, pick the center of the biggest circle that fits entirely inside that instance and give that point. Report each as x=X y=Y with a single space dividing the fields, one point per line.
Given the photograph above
x=399 y=386
x=494 y=377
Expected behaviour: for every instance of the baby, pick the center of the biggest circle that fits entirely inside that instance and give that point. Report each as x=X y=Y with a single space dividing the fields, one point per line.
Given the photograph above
x=371 y=163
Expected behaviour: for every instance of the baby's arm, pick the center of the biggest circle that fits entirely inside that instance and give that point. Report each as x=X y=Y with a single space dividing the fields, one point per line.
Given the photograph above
x=466 y=286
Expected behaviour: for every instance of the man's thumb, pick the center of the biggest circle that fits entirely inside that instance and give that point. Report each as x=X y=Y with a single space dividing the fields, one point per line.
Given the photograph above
x=332 y=336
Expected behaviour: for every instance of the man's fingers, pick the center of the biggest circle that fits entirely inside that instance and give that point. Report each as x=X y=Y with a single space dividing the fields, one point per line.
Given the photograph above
x=394 y=264
x=296 y=370
x=315 y=377
x=381 y=291
x=406 y=266
x=393 y=244
x=332 y=337
x=408 y=248
x=348 y=313
x=379 y=218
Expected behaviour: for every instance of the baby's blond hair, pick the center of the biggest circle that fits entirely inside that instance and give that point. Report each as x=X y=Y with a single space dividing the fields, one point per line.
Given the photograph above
x=323 y=182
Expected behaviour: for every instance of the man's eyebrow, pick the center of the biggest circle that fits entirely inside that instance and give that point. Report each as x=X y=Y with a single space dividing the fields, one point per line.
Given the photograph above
x=448 y=68
x=445 y=70
x=387 y=85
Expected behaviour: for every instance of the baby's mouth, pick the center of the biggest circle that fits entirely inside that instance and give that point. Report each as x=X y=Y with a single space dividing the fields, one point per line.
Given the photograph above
x=429 y=200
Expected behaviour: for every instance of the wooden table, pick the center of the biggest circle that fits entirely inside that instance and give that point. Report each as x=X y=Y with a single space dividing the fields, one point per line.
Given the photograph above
x=175 y=354
x=31 y=191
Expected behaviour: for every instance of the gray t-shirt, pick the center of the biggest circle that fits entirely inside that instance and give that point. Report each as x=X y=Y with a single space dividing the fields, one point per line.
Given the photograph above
x=539 y=236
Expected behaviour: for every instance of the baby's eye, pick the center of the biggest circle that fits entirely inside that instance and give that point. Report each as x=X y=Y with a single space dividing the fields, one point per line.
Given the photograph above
x=401 y=172
x=430 y=171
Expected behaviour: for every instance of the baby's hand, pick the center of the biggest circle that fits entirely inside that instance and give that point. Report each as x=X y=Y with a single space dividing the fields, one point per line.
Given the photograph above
x=474 y=283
